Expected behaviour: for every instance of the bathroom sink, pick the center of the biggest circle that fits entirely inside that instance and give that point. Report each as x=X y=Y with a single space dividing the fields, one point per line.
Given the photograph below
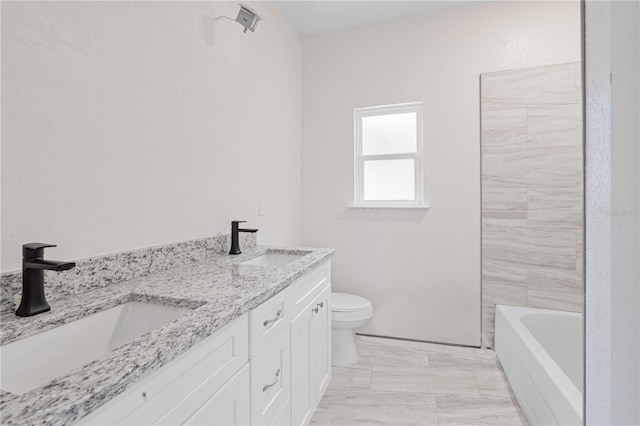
x=270 y=259
x=38 y=359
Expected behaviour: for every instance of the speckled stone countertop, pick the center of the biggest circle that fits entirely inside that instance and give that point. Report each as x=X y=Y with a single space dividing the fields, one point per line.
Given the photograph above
x=219 y=289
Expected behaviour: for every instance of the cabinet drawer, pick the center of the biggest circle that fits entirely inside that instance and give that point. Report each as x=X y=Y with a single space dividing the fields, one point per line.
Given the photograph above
x=174 y=392
x=307 y=288
x=267 y=321
x=229 y=406
x=270 y=380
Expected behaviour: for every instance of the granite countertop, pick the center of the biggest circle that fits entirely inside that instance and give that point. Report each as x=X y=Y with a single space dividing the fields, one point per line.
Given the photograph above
x=219 y=289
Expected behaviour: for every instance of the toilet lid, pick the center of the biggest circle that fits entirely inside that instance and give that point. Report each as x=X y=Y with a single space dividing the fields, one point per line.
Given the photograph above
x=344 y=302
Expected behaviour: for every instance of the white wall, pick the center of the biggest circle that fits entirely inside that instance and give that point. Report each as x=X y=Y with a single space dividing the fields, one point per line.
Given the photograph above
x=625 y=137
x=420 y=270
x=612 y=386
x=132 y=124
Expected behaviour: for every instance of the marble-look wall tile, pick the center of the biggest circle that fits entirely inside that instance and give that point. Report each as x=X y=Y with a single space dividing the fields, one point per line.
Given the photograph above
x=499 y=293
x=555 y=207
x=529 y=167
x=505 y=294
x=505 y=204
x=555 y=125
x=530 y=246
x=494 y=271
x=551 y=288
x=530 y=87
x=488 y=325
x=506 y=129
x=532 y=200
x=579 y=250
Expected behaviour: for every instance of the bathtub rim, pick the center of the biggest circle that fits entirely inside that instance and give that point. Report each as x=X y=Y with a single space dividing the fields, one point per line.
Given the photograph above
x=560 y=379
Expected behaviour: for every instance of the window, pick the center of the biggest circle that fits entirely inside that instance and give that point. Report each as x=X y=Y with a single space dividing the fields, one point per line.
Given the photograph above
x=388 y=156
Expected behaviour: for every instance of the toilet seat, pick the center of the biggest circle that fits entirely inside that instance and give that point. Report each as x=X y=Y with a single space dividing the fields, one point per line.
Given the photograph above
x=348 y=307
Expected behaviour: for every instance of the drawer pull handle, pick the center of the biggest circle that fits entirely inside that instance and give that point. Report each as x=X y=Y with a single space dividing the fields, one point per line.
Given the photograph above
x=275 y=381
x=271 y=321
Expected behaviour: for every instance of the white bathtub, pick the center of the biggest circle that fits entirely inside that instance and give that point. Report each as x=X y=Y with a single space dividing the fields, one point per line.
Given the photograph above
x=541 y=353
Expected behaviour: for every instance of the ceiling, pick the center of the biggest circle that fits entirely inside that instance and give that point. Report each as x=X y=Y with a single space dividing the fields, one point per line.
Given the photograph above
x=325 y=16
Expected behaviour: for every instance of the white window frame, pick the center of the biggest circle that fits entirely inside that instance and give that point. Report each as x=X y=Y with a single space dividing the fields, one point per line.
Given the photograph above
x=359 y=114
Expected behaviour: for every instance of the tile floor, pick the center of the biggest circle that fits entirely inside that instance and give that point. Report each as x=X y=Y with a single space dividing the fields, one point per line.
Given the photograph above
x=396 y=382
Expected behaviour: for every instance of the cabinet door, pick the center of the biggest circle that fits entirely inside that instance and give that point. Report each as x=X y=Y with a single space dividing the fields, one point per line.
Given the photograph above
x=229 y=406
x=301 y=388
x=283 y=418
x=321 y=346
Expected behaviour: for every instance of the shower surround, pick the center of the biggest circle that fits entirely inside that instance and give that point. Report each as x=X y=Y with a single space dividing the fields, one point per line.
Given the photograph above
x=532 y=202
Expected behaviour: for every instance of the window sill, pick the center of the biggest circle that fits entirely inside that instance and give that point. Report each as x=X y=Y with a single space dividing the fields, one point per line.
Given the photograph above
x=391 y=207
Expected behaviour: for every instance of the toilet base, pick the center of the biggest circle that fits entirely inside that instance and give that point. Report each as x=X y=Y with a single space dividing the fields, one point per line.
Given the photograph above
x=344 y=351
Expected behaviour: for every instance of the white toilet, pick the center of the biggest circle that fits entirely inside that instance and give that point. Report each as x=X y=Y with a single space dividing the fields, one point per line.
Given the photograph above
x=348 y=312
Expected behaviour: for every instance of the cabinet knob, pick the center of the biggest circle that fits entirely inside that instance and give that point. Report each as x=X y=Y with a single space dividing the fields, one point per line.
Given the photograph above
x=275 y=381
x=321 y=304
x=315 y=309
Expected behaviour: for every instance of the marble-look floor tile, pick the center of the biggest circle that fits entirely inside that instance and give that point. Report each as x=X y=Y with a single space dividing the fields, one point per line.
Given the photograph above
x=356 y=407
x=428 y=380
x=426 y=347
x=488 y=420
x=484 y=354
x=492 y=383
x=506 y=128
x=451 y=361
x=555 y=207
x=466 y=409
x=512 y=419
x=530 y=87
x=351 y=377
x=408 y=395
x=372 y=353
x=462 y=351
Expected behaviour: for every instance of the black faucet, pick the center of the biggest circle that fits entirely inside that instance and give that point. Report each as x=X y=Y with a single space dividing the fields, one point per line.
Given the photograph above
x=235 y=241
x=33 y=265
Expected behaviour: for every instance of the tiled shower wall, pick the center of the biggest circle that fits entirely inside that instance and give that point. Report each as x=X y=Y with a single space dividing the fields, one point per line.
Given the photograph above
x=531 y=190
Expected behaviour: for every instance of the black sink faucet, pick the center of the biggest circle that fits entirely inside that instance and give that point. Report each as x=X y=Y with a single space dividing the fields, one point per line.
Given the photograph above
x=33 y=265
x=235 y=240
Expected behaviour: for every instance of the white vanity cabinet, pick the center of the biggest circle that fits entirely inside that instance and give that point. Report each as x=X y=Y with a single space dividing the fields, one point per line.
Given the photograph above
x=179 y=390
x=269 y=367
x=310 y=356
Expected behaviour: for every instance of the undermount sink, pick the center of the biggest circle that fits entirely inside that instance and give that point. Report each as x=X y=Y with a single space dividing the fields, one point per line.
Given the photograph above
x=38 y=359
x=270 y=259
